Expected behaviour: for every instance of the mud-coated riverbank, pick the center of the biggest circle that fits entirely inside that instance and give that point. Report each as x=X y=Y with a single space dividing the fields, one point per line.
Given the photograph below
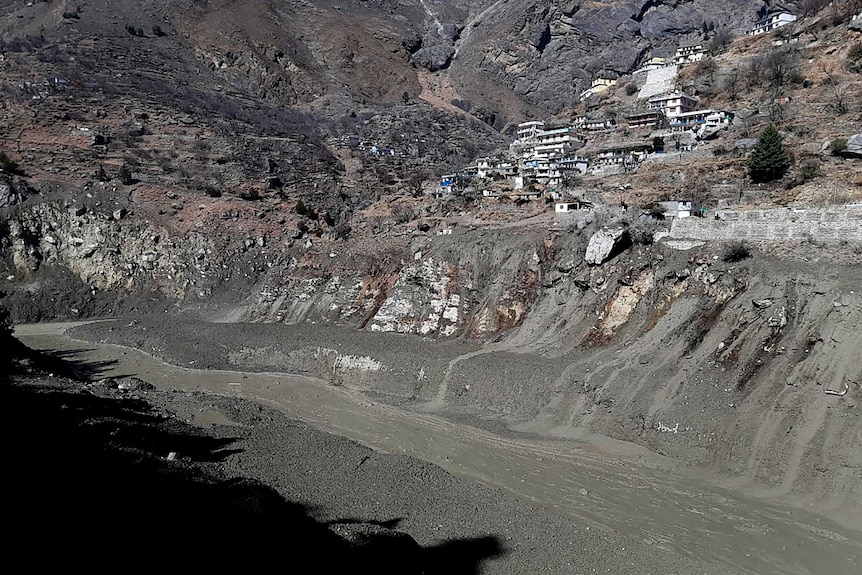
x=362 y=495
x=659 y=511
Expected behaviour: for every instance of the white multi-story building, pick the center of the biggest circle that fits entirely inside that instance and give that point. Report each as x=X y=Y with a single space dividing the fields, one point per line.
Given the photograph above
x=598 y=86
x=653 y=63
x=544 y=143
x=689 y=54
x=528 y=130
x=597 y=125
x=772 y=22
x=495 y=167
x=543 y=155
x=672 y=104
x=700 y=119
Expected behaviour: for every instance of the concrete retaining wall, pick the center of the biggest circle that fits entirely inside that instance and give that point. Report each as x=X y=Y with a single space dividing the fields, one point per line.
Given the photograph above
x=830 y=224
x=658 y=82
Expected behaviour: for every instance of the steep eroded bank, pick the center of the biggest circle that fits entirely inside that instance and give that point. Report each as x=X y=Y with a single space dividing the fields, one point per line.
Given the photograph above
x=741 y=369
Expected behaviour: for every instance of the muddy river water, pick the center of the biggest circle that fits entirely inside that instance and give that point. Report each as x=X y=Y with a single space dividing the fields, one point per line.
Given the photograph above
x=656 y=506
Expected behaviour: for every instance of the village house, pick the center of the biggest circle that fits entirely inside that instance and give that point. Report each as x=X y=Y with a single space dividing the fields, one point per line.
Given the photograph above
x=544 y=171
x=571 y=206
x=551 y=171
x=700 y=120
x=573 y=164
x=598 y=86
x=495 y=168
x=689 y=54
x=624 y=157
x=588 y=124
x=672 y=104
x=771 y=22
x=544 y=154
x=645 y=120
x=542 y=144
x=527 y=130
x=653 y=63
x=682 y=209
x=452 y=184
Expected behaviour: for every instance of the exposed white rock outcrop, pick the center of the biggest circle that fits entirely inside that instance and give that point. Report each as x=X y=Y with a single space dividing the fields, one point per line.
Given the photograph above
x=602 y=244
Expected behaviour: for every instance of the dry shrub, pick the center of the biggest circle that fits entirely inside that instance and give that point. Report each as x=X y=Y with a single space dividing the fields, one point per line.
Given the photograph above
x=403 y=213
x=736 y=252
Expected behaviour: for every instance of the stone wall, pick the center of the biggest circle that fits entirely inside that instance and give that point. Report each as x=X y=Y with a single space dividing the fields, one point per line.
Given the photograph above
x=829 y=224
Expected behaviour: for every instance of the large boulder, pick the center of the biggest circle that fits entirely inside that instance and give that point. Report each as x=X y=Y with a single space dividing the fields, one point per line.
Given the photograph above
x=434 y=58
x=746 y=143
x=606 y=243
x=12 y=191
x=854 y=146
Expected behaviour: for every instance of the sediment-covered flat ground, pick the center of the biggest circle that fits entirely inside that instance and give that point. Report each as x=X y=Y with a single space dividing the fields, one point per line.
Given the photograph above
x=539 y=504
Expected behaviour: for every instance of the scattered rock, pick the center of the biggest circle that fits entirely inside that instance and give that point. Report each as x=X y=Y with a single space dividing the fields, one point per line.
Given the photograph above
x=854 y=146
x=134 y=384
x=710 y=279
x=566 y=265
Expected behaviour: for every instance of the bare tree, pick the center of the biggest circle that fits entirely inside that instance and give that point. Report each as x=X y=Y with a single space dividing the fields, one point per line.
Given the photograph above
x=781 y=66
x=840 y=90
x=720 y=40
x=707 y=68
x=754 y=72
x=731 y=84
x=812 y=7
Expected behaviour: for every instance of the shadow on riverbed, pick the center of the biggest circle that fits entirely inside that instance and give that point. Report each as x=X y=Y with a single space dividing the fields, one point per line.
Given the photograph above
x=58 y=362
x=102 y=480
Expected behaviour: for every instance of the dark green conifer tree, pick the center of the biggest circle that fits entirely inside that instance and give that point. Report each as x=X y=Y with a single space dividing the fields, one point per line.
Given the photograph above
x=768 y=160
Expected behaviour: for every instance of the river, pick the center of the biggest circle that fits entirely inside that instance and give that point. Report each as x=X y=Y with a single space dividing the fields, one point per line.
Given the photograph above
x=656 y=506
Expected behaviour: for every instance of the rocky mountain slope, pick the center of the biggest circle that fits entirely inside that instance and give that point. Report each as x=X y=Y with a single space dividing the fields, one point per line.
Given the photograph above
x=547 y=53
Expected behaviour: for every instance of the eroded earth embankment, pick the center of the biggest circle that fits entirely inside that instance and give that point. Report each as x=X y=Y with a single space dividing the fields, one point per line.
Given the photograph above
x=747 y=369
x=737 y=369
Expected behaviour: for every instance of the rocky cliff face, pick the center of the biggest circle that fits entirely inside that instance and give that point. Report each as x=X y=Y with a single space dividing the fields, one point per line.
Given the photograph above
x=543 y=55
